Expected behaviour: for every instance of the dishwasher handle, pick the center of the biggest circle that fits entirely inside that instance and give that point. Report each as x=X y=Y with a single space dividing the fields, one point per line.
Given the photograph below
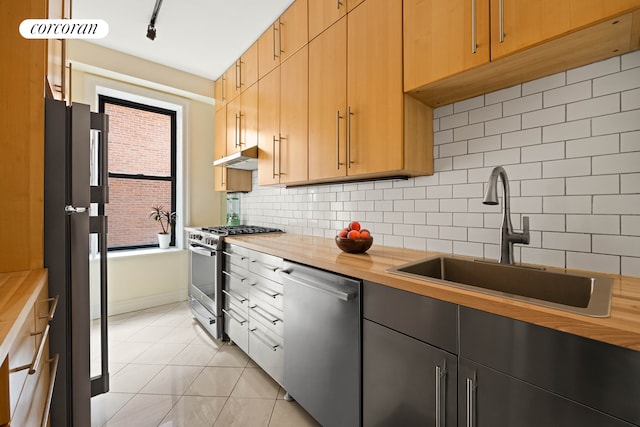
x=326 y=288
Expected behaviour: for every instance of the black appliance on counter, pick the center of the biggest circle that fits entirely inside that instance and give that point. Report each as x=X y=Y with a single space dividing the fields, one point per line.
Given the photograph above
x=205 y=290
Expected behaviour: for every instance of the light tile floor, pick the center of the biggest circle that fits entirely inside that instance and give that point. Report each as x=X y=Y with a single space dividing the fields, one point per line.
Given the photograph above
x=166 y=371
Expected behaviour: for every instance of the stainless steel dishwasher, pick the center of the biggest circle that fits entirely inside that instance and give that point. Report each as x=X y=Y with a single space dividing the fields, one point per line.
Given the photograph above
x=322 y=364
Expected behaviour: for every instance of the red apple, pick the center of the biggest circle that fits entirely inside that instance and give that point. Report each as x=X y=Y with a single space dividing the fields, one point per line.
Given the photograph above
x=353 y=234
x=365 y=234
x=343 y=233
x=354 y=225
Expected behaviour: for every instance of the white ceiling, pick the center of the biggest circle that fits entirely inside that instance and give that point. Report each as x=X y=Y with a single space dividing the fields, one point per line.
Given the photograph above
x=203 y=37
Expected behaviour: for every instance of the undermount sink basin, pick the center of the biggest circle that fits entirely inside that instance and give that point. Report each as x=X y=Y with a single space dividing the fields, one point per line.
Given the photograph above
x=588 y=295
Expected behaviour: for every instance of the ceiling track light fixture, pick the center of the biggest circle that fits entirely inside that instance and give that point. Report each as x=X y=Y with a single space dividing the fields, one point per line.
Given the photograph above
x=151 y=28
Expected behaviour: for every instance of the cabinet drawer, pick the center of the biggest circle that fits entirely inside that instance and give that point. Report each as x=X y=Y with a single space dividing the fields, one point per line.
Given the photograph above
x=267 y=291
x=266 y=349
x=596 y=374
x=236 y=283
x=426 y=319
x=265 y=265
x=237 y=256
x=235 y=326
x=270 y=318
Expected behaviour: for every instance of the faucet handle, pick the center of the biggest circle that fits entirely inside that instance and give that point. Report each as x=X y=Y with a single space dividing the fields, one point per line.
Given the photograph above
x=525 y=230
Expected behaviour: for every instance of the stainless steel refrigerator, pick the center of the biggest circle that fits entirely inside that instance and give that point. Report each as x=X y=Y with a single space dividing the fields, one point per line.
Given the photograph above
x=75 y=227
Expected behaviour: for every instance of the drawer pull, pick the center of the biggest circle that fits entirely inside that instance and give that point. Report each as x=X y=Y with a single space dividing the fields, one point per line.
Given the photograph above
x=264 y=341
x=234 y=276
x=260 y=312
x=231 y=315
x=471 y=388
x=52 y=309
x=52 y=379
x=272 y=294
x=232 y=255
x=235 y=296
x=35 y=363
x=441 y=373
x=267 y=266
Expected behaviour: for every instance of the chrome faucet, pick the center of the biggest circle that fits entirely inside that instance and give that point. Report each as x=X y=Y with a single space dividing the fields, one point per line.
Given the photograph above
x=507 y=236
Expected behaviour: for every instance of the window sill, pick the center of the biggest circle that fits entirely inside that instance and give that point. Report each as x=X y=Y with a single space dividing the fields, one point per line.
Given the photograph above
x=142 y=252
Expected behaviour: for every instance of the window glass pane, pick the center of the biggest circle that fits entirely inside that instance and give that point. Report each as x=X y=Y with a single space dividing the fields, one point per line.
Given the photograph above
x=130 y=201
x=139 y=141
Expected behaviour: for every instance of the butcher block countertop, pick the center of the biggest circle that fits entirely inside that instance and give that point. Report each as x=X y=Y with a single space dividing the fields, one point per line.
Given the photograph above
x=622 y=328
x=18 y=293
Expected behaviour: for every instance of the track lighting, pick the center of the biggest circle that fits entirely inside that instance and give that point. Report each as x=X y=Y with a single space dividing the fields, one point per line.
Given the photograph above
x=151 y=28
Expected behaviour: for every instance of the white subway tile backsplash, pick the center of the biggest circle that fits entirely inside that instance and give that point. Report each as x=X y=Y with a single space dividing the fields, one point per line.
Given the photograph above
x=594 y=146
x=567 y=94
x=621 y=204
x=504 y=125
x=592 y=71
x=593 y=262
x=616 y=245
x=523 y=105
x=570 y=144
x=631 y=100
x=618 y=82
x=565 y=131
x=564 y=168
x=620 y=122
x=483 y=114
x=594 y=107
x=630 y=183
x=545 y=83
x=616 y=163
x=599 y=184
x=536 y=153
x=566 y=241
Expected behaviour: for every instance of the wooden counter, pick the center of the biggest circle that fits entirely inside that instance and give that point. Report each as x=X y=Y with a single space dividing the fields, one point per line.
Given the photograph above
x=18 y=293
x=622 y=328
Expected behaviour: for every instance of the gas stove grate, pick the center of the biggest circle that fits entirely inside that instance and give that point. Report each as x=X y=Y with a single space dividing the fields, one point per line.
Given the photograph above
x=232 y=230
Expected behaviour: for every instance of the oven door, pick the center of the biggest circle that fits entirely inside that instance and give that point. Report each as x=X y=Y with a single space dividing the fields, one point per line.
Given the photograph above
x=205 y=288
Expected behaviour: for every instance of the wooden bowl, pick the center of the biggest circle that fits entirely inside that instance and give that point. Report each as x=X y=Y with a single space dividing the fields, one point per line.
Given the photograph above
x=354 y=246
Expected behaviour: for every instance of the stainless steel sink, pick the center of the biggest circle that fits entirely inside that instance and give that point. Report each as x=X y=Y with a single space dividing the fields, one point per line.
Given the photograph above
x=588 y=295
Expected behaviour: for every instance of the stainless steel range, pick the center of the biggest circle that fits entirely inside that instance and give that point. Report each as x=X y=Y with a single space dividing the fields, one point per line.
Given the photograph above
x=205 y=289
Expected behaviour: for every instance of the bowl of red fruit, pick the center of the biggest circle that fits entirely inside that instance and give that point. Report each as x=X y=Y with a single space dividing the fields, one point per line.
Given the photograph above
x=354 y=239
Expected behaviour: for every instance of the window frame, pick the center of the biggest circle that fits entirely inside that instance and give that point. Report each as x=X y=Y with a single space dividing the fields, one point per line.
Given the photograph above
x=173 y=114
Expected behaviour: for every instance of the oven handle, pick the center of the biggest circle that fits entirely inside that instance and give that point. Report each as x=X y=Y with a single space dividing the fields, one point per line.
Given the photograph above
x=202 y=251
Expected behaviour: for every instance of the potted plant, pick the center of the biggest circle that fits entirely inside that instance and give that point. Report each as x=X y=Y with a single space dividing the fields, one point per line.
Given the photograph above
x=167 y=220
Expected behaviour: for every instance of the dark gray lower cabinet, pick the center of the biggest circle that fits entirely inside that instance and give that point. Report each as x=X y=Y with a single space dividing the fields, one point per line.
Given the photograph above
x=488 y=398
x=405 y=381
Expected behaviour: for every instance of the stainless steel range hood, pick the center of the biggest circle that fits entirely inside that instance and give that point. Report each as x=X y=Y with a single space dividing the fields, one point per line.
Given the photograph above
x=246 y=159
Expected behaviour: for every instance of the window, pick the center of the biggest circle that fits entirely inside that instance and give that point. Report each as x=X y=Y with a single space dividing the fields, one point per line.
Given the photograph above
x=142 y=170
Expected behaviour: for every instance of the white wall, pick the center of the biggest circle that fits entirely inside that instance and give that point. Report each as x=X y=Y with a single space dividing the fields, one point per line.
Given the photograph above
x=570 y=144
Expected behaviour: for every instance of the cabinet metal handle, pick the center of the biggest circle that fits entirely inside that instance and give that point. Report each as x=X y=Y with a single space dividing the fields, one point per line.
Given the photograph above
x=471 y=395
x=52 y=379
x=235 y=296
x=501 y=21
x=441 y=373
x=338 y=117
x=273 y=157
x=234 y=275
x=261 y=312
x=222 y=175
x=339 y=3
x=280 y=25
x=52 y=309
x=474 y=27
x=280 y=138
x=265 y=265
x=236 y=138
x=35 y=362
x=273 y=32
x=264 y=341
x=238 y=74
x=224 y=97
x=229 y=313
x=240 y=143
x=349 y=114
x=272 y=294
x=231 y=254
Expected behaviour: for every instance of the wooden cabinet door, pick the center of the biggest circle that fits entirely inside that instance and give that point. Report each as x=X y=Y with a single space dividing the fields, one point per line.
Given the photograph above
x=294 y=102
x=218 y=92
x=322 y=14
x=233 y=126
x=352 y=3
x=268 y=49
x=231 y=83
x=293 y=29
x=526 y=23
x=374 y=87
x=269 y=127
x=220 y=147
x=248 y=72
x=442 y=38
x=249 y=117
x=328 y=102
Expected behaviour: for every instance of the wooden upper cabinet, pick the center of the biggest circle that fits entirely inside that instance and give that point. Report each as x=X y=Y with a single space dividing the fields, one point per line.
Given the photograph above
x=328 y=102
x=248 y=70
x=218 y=92
x=294 y=102
x=374 y=88
x=269 y=128
x=57 y=86
x=527 y=23
x=220 y=134
x=283 y=38
x=442 y=38
x=323 y=13
x=242 y=121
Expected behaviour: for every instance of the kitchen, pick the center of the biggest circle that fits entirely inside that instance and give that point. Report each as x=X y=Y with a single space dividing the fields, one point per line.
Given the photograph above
x=567 y=140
